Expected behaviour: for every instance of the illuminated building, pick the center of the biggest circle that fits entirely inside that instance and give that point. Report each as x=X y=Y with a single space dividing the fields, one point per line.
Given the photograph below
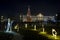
x=39 y=17
x=26 y=18
x=28 y=15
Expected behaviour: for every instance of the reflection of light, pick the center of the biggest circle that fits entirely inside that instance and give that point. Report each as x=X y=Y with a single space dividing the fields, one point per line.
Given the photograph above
x=42 y=33
x=14 y=33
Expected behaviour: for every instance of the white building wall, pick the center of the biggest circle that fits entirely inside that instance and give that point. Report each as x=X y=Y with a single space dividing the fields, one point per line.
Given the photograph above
x=34 y=18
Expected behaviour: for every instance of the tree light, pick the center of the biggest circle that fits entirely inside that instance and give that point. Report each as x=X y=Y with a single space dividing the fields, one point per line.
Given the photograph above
x=43 y=28
x=54 y=33
x=16 y=27
x=9 y=25
x=25 y=25
x=34 y=27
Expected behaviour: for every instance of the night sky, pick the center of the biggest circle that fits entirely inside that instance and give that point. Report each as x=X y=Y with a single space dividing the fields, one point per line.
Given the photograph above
x=16 y=7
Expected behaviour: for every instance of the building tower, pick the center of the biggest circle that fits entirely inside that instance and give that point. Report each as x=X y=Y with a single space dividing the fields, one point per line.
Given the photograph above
x=28 y=12
x=28 y=15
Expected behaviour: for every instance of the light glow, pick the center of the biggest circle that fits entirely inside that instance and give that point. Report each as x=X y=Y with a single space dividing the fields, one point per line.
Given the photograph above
x=54 y=33
x=16 y=27
x=25 y=25
x=49 y=36
x=43 y=28
x=34 y=27
x=9 y=25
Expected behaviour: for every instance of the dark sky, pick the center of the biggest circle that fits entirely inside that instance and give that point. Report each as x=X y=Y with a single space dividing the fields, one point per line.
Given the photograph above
x=16 y=7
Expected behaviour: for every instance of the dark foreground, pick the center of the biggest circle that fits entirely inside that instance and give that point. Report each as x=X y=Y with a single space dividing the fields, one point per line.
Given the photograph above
x=24 y=34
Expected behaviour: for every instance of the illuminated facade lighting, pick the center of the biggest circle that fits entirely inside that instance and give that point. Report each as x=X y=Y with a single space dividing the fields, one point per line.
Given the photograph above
x=40 y=17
